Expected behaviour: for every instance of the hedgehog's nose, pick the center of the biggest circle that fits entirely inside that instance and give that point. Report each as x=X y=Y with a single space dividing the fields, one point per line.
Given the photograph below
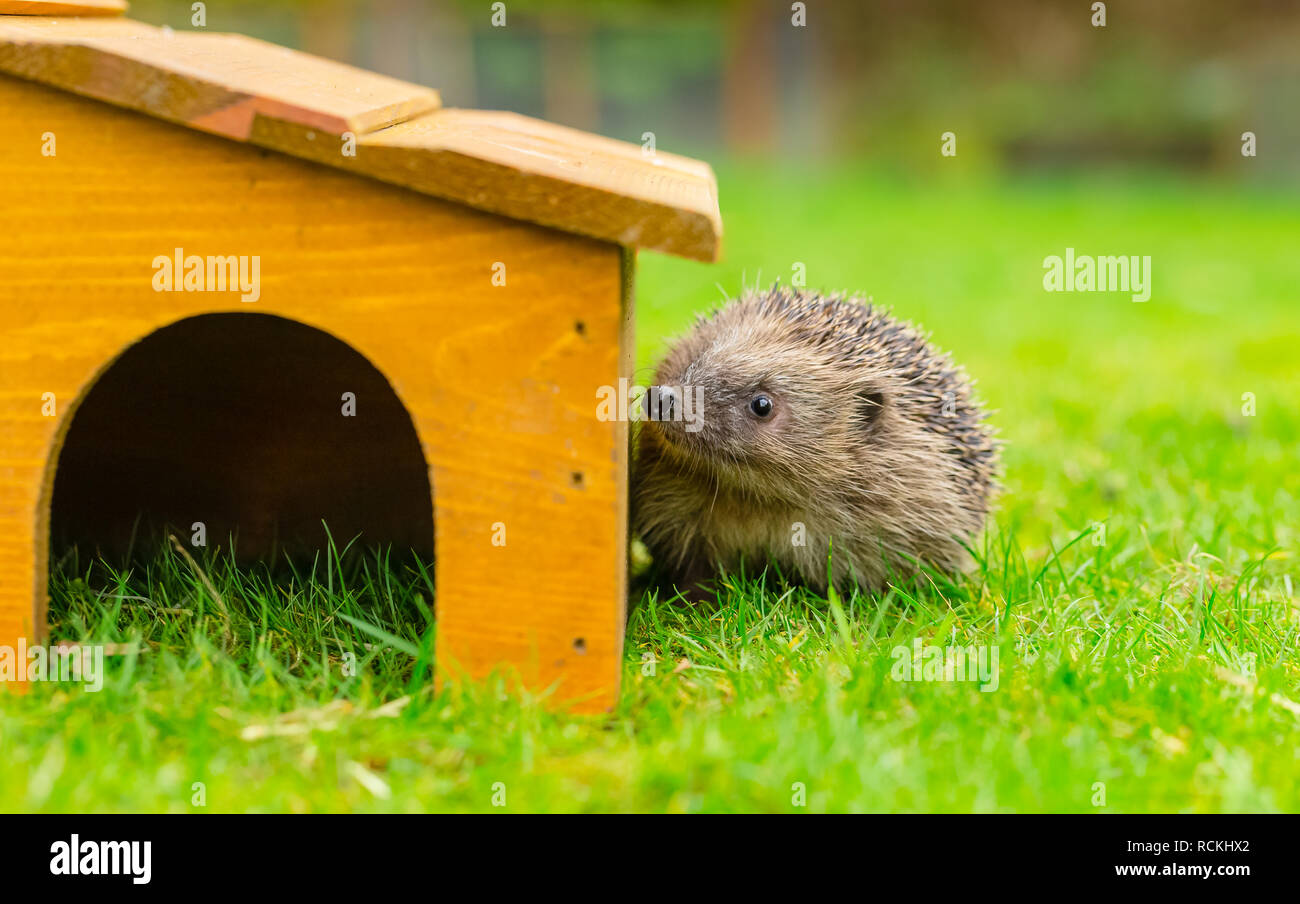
x=663 y=404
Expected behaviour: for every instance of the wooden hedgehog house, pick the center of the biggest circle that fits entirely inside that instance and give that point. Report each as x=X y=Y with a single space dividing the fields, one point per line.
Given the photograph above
x=244 y=291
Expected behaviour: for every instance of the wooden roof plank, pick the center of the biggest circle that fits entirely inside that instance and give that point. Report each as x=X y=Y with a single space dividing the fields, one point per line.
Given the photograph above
x=215 y=82
x=62 y=7
x=533 y=170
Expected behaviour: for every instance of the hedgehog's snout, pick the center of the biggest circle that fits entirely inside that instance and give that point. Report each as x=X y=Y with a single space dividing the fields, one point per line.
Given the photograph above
x=676 y=411
x=661 y=407
x=663 y=403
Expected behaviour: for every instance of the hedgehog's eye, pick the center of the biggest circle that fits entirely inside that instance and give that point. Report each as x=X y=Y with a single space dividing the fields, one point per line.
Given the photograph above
x=761 y=405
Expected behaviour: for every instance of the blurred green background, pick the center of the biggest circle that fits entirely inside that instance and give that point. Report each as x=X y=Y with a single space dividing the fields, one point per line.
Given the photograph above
x=1123 y=139
x=1027 y=84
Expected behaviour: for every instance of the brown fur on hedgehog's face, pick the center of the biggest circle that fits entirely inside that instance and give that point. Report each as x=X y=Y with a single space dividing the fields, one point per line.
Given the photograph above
x=776 y=414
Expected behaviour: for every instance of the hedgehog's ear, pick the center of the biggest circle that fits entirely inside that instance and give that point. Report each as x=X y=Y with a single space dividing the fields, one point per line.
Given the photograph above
x=870 y=405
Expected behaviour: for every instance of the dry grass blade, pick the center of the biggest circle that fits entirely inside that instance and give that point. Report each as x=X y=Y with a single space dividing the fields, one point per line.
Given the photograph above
x=202 y=576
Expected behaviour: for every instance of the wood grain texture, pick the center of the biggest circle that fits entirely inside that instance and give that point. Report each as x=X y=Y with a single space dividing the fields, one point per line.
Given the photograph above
x=499 y=381
x=536 y=171
x=218 y=83
x=61 y=8
x=301 y=105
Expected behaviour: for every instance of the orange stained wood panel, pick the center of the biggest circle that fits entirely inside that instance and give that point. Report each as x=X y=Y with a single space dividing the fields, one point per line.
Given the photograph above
x=62 y=7
x=500 y=381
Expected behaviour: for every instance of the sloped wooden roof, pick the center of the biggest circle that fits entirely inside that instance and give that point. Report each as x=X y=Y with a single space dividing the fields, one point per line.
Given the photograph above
x=277 y=98
x=62 y=7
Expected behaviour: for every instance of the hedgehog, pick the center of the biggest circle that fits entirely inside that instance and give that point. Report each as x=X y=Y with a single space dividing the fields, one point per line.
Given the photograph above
x=817 y=434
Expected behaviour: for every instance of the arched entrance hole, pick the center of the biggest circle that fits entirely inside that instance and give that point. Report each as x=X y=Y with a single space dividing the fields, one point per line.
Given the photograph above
x=257 y=427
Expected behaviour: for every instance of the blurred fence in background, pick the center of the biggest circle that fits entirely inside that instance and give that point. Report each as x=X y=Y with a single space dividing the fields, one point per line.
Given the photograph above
x=1025 y=84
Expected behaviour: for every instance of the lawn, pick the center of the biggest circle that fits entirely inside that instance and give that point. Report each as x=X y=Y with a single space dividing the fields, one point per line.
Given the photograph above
x=1138 y=579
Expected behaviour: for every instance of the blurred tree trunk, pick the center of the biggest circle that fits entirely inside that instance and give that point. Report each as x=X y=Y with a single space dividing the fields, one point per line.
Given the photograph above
x=569 y=73
x=328 y=29
x=394 y=33
x=750 y=84
x=445 y=53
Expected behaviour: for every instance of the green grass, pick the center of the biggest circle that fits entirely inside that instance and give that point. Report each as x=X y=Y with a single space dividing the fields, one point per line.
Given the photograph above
x=1161 y=662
